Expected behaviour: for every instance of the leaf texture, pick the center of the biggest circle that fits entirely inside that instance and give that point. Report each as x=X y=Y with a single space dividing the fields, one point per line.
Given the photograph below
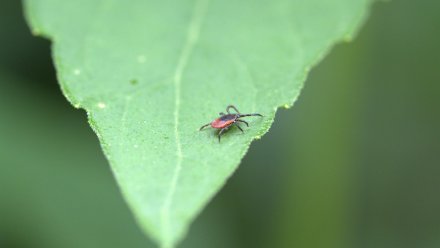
x=150 y=73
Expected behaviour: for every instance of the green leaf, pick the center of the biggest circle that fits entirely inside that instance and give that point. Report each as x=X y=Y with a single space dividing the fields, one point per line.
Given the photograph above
x=150 y=73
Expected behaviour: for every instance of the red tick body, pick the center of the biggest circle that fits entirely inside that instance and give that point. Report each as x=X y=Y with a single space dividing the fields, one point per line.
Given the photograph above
x=225 y=121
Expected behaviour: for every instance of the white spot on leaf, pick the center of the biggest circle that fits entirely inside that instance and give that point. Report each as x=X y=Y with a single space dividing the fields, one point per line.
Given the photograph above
x=348 y=38
x=141 y=59
x=36 y=31
x=101 y=105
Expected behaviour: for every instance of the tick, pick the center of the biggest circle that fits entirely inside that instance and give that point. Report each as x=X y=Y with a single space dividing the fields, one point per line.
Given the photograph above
x=225 y=121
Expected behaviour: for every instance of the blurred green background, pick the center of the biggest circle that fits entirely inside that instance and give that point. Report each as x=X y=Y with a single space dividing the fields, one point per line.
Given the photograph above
x=355 y=163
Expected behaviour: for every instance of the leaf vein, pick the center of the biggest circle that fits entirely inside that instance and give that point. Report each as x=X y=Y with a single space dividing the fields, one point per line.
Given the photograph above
x=191 y=40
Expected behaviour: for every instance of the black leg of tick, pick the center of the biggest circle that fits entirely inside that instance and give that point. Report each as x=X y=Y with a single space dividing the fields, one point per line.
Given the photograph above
x=221 y=132
x=244 y=115
x=221 y=114
x=232 y=107
x=245 y=122
x=239 y=127
x=204 y=126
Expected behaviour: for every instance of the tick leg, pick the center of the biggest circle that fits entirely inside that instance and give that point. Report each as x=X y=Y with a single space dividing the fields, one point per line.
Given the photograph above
x=256 y=114
x=239 y=127
x=232 y=107
x=221 y=132
x=221 y=114
x=204 y=126
x=245 y=122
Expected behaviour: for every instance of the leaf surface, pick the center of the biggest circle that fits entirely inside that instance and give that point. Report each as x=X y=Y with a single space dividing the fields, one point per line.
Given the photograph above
x=150 y=73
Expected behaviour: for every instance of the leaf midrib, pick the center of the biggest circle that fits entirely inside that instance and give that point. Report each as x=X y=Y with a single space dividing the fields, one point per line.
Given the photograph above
x=192 y=37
